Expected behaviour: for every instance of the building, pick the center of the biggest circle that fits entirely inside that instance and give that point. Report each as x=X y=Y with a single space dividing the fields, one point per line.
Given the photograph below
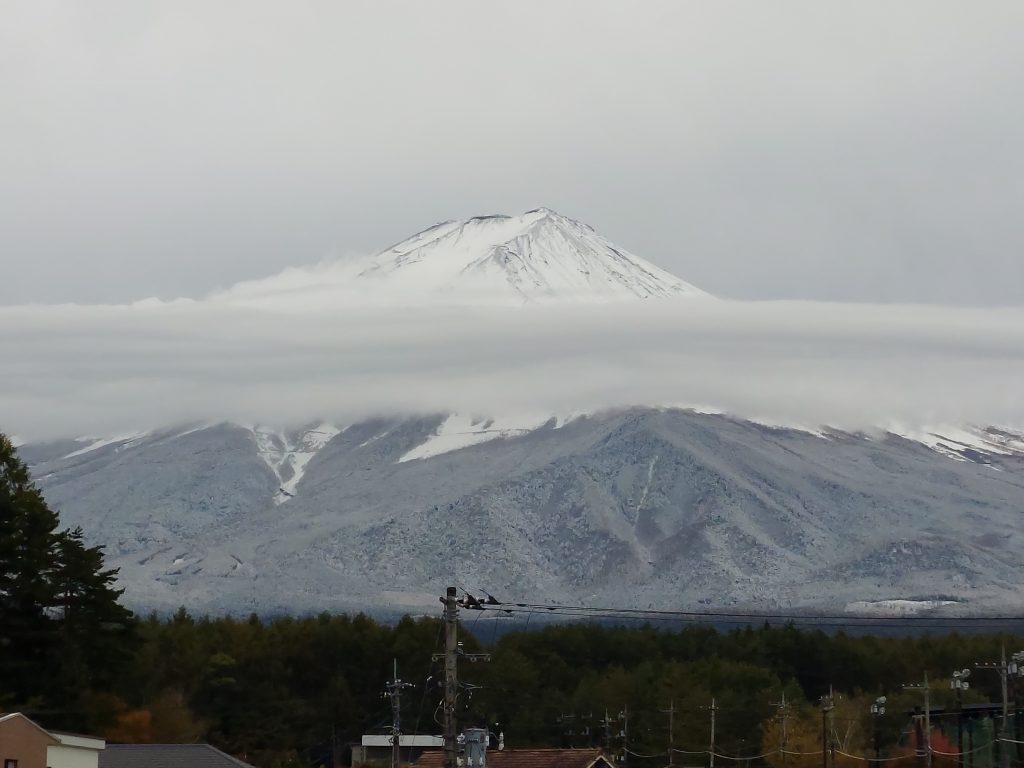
x=74 y=751
x=166 y=756
x=23 y=743
x=529 y=758
x=26 y=744
x=376 y=748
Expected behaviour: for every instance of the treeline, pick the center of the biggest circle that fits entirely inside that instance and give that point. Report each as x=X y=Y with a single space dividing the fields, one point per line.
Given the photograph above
x=288 y=691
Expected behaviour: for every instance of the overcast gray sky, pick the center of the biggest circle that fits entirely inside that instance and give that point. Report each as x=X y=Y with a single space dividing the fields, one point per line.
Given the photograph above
x=853 y=151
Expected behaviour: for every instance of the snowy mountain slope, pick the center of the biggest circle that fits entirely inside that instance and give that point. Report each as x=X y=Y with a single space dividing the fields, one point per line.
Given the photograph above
x=641 y=506
x=533 y=258
x=288 y=453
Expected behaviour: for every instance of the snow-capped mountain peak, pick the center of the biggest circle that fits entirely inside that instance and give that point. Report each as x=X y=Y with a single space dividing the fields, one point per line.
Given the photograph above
x=538 y=257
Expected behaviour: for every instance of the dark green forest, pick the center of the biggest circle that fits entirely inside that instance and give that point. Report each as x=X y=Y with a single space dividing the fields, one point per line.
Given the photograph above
x=293 y=691
x=287 y=687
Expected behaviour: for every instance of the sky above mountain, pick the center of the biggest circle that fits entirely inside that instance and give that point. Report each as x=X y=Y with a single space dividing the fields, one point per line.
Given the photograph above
x=803 y=150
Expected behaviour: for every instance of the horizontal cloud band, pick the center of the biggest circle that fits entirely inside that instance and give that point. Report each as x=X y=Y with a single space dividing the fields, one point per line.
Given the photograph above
x=70 y=370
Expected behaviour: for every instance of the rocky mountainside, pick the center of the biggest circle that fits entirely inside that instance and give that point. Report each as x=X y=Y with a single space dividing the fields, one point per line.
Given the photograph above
x=638 y=507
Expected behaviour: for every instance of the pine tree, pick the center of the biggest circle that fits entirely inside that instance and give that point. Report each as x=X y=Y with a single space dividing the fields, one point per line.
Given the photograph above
x=61 y=627
x=28 y=559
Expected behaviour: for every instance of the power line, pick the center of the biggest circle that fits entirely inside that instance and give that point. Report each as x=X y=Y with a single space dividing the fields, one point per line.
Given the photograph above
x=995 y=623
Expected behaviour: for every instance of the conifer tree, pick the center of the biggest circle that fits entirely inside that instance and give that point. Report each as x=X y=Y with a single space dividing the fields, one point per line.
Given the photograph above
x=61 y=627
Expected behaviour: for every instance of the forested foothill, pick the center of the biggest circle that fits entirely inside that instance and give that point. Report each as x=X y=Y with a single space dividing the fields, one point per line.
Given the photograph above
x=293 y=690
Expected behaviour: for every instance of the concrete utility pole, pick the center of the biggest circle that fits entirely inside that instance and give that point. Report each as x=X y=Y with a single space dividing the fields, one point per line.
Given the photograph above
x=671 y=711
x=452 y=652
x=927 y=738
x=607 y=723
x=826 y=710
x=394 y=692
x=1004 y=670
x=783 y=708
x=711 y=752
x=958 y=682
x=624 y=717
x=451 y=675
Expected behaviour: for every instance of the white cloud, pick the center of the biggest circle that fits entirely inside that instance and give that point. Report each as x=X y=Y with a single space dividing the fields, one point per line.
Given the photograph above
x=103 y=370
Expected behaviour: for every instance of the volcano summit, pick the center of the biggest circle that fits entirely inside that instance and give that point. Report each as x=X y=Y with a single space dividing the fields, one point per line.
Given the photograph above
x=538 y=257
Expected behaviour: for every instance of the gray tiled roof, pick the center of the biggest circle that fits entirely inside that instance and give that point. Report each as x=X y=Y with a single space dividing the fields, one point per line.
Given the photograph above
x=166 y=756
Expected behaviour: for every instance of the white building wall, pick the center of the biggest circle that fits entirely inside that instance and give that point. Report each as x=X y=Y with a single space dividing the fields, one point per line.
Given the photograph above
x=71 y=756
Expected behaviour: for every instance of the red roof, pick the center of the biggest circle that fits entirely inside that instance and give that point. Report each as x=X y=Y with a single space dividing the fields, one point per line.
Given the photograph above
x=526 y=758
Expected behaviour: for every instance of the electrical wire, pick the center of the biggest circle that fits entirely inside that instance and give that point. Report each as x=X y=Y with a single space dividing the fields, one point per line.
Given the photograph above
x=426 y=685
x=746 y=619
x=637 y=754
x=864 y=759
x=745 y=757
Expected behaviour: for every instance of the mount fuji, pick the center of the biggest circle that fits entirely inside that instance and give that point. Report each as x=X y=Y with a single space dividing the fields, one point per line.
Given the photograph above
x=538 y=257
x=631 y=504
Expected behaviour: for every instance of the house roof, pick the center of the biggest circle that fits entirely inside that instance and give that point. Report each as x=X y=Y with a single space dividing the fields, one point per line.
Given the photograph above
x=79 y=740
x=30 y=721
x=166 y=756
x=526 y=758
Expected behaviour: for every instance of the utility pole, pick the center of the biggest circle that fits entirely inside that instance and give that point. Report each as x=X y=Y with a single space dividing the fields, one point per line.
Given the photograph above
x=927 y=738
x=711 y=752
x=624 y=717
x=394 y=692
x=452 y=652
x=783 y=708
x=607 y=723
x=1015 y=669
x=671 y=711
x=826 y=709
x=958 y=682
x=1004 y=670
x=451 y=674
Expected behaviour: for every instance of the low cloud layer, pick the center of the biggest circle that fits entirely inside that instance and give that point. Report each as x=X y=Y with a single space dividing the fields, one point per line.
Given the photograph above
x=102 y=370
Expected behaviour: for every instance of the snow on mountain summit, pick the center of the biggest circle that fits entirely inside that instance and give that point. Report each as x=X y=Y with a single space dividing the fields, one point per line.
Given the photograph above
x=537 y=257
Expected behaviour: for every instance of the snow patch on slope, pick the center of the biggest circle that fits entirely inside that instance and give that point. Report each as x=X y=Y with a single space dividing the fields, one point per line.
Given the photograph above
x=287 y=454
x=95 y=443
x=461 y=431
x=895 y=607
x=962 y=443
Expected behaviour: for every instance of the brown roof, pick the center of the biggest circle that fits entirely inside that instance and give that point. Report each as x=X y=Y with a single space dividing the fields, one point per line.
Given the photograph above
x=525 y=758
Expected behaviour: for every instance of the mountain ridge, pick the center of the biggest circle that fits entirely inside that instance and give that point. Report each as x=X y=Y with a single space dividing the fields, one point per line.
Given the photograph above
x=636 y=506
